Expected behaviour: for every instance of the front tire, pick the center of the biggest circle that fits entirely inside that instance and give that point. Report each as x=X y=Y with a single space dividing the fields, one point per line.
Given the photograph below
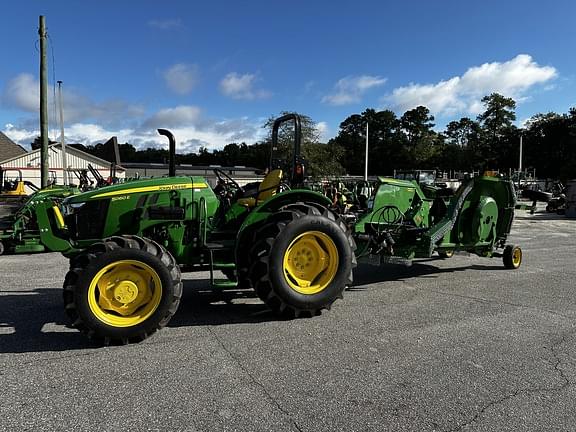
x=122 y=289
x=301 y=260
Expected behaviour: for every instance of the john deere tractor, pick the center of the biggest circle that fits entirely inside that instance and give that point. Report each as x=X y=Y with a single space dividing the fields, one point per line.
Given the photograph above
x=130 y=242
x=31 y=223
x=404 y=222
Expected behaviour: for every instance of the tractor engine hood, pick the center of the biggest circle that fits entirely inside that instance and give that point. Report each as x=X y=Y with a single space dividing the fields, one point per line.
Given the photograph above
x=121 y=191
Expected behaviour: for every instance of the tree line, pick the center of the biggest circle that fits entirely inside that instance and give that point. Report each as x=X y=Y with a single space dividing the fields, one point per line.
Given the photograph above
x=410 y=141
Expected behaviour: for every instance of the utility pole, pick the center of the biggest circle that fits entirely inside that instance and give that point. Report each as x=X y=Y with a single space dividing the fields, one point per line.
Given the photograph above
x=43 y=106
x=366 y=161
x=62 y=141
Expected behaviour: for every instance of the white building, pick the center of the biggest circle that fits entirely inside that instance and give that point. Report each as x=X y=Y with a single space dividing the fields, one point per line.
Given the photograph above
x=29 y=165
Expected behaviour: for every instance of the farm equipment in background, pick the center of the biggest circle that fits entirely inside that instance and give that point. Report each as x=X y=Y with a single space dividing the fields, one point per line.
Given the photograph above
x=131 y=240
x=13 y=194
x=427 y=181
x=557 y=204
x=422 y=177
x=36 y=225
x=403 y=222
x=12 y=191
x=13 y=186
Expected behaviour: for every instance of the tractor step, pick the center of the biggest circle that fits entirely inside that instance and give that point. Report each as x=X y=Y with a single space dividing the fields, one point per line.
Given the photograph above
x=220 y=266
x=220 y=246
x=225 y=249
x=223 y=283
x=219 y=236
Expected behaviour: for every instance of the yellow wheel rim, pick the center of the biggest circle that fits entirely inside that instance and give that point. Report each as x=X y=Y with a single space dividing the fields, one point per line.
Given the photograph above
x=125 y=293
x=516 y=257
x=310 y=262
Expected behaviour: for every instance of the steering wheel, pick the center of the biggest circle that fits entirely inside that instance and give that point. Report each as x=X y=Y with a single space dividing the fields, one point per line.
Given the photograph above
x=230 y=187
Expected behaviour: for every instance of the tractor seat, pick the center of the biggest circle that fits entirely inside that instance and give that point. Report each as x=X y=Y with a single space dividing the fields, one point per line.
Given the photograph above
x=268 y=187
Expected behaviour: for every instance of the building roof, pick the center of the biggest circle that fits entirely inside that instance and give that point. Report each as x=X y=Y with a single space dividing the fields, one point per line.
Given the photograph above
x=9 y=149
x=70 y=150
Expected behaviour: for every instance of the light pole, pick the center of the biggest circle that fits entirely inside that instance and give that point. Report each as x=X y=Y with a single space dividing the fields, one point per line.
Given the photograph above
x=366 y=160
x=62 y=141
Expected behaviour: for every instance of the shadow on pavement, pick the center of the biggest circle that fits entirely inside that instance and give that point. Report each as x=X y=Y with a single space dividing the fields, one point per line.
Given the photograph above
x=539 y=215
x=30 y=320
x=25 y=313
x=366 y=274
x=201 y=305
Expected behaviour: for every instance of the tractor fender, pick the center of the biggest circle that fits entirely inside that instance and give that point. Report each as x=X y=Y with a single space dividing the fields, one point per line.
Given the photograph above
x=290 y=197
x=270 y=206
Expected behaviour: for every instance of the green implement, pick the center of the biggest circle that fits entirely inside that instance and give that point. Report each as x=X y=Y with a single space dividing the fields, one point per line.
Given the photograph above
x=403 y=222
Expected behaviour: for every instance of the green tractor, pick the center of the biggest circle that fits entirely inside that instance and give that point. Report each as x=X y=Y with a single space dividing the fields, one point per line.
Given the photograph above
x=12 y=191
x=402 y=221
x=130 y=242
x=36 y=224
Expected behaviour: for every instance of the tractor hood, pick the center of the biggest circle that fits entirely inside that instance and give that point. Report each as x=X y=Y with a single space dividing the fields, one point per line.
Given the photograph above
x=161 y=184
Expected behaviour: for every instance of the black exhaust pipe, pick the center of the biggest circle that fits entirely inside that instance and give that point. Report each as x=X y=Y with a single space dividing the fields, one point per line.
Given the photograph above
x=171 y=151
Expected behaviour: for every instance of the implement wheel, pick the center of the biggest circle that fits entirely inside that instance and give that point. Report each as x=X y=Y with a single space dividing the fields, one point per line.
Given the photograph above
x=301 y=260
x=446 y=254
x=122 y=289
x=512 y=257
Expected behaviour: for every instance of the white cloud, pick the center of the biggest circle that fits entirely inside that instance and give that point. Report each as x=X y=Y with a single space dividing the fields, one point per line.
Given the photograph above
x=181 y=78
x=463 y=93
x=171 y=117
x=89 y=122
x=350 y=89
x=23 y=93
x=187 y=124
x=323 y=131
x=166 y=24
x=239 y=86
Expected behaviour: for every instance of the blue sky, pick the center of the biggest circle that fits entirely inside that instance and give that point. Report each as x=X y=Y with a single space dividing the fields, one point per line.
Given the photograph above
x=214 y=71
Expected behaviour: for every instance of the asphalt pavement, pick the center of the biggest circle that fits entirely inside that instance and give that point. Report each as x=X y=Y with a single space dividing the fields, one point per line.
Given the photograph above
x=442 y=345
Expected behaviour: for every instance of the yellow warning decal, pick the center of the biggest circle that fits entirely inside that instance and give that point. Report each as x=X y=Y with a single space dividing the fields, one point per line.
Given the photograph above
x=58 y=216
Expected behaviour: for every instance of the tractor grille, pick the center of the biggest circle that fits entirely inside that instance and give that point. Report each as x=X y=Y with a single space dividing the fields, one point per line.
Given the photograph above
x=88 y=221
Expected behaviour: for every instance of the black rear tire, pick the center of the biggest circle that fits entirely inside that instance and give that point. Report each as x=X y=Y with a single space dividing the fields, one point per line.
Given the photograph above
x=1 y=248
x=269 y=274
x=133 y=266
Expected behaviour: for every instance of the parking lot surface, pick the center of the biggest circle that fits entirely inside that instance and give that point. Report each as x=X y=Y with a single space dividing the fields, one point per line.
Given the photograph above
x=443 y=345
